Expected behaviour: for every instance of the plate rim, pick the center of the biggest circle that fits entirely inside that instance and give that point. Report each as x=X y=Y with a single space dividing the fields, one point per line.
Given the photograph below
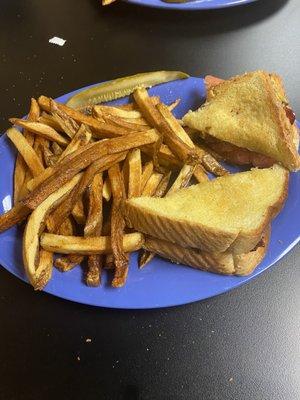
x=196 y=5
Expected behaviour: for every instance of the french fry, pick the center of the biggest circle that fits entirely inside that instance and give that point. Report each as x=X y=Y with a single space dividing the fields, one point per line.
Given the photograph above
x=122 y=123
x=93 y=227
x=146 y=173
x=33 y=229
x=64 y=210
x=135 y=173
x=99 y=129
x=172 y=133
x=64 y=264
x=174 y=125
x=210 y=163
x=27 y=152
x=200 y=174
x=12 y=217
x=78 y=212
x=173 y=105
x=80 y=138
x=49 y=120
x=64 y=121
x=21 y=173
x=40 y=129
x=106 y=190
x=109 y=262
x=49 y=157
x=94 y=268
x=183 y=178
x=57 y=150
x=88 y=245
x=101 y=111
x=152 y=184
x=66 y=228
x=158 y=117
x=117 y=227
x=163 y=185
x=43 y=271
x=82 y=158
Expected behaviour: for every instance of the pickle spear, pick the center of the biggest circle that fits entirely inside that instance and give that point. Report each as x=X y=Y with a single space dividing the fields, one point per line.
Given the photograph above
x=122 y=87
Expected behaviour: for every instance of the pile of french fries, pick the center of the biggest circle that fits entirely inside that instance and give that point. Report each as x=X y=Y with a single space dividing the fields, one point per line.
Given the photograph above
x=75 y=169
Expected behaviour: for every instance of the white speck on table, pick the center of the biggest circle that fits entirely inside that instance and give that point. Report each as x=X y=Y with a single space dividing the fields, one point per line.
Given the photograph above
x=57 y=40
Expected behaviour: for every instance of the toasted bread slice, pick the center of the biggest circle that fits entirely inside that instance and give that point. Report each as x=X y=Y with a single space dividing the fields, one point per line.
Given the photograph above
x=222 y=263
x=228 y=213
x=250 y=111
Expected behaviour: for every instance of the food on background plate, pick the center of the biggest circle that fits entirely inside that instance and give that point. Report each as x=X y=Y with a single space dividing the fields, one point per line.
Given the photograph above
x=250 y=112
x=81 y=165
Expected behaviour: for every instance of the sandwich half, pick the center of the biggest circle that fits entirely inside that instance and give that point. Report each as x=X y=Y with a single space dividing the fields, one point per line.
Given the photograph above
x=222 y=263
x=251 y=113
x=229 y=213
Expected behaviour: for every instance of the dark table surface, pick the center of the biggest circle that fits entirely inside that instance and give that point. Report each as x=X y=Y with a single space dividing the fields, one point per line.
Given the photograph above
x=241 y=345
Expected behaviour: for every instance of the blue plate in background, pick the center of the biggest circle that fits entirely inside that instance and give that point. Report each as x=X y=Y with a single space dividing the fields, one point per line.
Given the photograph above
x=192 y=4
x=161 y=283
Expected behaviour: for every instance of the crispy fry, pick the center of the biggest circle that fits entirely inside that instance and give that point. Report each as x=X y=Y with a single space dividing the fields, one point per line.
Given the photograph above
x=78 y=212
x=88 y=245
x=152 y=184
x=122 y=123
x=210 y=163
x=106 y=190
x=109 y=262
x=172 y=133
x=33 y=229
x=83 y=157
x=66 y=228
x=117 y=227
x=64 y=121
x=183 y=178
x=49 y=157
x=57 y=150
x=49 y=120
x=159 y=118
x=93 y=226
x=64 y=264
x=44 y=269
x=101 y=111
x=81 y=138
x=146 y=173
x=27 y=152
x=165 y=156
x=145 y=256
x=174 y=125
x=40 y=129
x=99 y=129
x=135 y=173
x=173 y=105
x=21 y=173
x=12 y=217
x=64 y=210
x=93 y=274
x=200 y=174
x=163 y=185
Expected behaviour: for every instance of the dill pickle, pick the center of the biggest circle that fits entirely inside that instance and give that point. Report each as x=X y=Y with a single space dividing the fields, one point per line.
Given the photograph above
x=122 y=87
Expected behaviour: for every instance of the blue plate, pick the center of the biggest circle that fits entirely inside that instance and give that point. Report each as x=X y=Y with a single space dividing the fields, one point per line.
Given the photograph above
x=161 y=283
x=192 y=4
